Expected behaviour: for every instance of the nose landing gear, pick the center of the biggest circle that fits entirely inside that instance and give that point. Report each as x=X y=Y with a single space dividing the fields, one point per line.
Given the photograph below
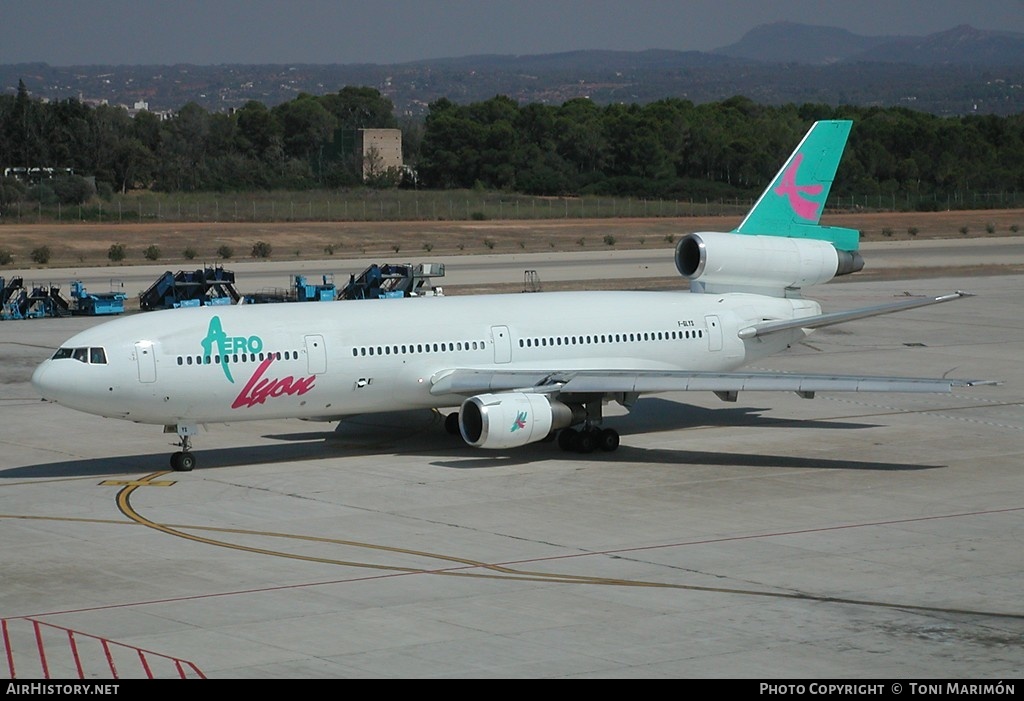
x=183 y=461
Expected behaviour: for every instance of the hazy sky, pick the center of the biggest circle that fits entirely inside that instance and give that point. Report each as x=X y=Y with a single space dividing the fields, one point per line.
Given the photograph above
x=81 y=32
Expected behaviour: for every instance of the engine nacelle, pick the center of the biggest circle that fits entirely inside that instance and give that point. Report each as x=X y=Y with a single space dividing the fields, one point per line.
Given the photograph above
x=512 y=419
x=715 y=261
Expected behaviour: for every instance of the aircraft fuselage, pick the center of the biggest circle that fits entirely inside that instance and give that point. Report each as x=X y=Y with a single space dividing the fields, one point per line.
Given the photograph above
x=323 y=360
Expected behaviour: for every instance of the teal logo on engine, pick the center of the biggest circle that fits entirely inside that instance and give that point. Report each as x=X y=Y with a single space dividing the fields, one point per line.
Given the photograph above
x=519 y=423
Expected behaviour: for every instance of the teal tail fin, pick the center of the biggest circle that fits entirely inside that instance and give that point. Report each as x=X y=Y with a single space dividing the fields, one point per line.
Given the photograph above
x=792 y=204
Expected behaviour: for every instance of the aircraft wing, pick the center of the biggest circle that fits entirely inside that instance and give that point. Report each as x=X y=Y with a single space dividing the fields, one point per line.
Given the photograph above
x=726 y=384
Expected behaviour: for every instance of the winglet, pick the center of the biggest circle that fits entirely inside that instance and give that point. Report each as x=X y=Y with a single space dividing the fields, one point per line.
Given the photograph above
x=791 y=205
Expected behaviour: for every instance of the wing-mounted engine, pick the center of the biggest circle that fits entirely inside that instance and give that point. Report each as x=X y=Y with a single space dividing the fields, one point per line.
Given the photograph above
x=512 y=419
x=719 y=262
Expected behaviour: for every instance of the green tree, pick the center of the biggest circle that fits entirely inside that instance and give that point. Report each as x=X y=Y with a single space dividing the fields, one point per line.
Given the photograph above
x=110 y=126
x=307 y=128
x=360 y=108
x=72 y=189
x=257 y=129
x=183 y=150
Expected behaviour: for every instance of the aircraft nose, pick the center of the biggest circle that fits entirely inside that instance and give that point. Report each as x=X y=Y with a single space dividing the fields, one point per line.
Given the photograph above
x=40 y=383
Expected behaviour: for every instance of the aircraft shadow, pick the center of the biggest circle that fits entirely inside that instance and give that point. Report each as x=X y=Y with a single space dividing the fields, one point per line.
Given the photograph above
x=421 y=433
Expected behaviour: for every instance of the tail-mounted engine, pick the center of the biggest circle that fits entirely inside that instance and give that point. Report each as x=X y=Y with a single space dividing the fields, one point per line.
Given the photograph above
x=719 y=262
x=513 y=419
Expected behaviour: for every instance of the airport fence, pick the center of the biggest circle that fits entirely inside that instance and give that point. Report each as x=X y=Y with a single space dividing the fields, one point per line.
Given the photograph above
x=402 y=205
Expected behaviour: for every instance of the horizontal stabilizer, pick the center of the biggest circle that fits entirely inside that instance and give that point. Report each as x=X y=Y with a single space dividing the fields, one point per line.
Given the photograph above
x=822 y=320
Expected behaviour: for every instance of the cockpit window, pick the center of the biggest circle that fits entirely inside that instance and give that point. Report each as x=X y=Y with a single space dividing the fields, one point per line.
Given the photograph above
x=93 y=356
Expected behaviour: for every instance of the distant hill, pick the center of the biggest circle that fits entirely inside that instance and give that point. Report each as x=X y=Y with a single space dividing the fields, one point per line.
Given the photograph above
x=956 y=72
x=790 y=42
x=961 y=45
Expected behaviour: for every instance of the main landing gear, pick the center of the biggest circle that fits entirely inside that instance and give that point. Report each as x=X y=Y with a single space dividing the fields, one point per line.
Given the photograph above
x=588 y=439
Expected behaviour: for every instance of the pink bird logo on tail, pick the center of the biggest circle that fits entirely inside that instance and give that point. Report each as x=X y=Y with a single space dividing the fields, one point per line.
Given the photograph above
x=804 y=208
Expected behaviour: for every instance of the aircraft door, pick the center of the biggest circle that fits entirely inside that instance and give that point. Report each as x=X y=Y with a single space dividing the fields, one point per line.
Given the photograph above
x=502 y=344
x=316 y=354
x=145 y=356
x=714 y=332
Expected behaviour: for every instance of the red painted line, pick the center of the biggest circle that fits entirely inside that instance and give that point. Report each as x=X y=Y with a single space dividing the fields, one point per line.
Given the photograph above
x=74 y=653
x=42 y=652
x=110 y=657
x=7 y=646
x=181 y=671
x=145 y=665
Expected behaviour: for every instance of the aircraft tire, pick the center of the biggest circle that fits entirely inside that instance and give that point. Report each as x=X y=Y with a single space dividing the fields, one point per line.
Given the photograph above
x=183 y=462
x=608 y=440
x=567 y=439
x=587 y=441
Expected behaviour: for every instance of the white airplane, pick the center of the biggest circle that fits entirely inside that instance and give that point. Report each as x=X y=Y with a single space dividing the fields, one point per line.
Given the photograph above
x=520 y=367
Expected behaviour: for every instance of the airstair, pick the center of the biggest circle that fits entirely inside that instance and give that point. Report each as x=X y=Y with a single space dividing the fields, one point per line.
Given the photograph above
x=190 y=288
x=391 y=281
